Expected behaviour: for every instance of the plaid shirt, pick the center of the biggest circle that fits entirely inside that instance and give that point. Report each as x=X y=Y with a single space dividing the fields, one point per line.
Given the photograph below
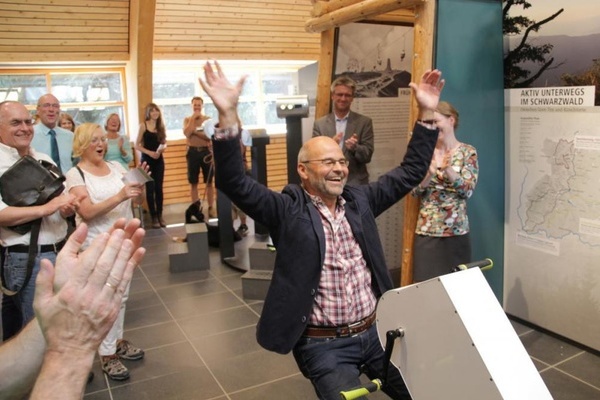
x=344 y=295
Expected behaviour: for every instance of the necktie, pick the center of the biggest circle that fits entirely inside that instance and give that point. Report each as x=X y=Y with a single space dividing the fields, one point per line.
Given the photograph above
x=54 y=148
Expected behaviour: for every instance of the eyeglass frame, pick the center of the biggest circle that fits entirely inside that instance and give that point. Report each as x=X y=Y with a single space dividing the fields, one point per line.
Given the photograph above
x=329 y=162
x=50 y=105
x=102 y=139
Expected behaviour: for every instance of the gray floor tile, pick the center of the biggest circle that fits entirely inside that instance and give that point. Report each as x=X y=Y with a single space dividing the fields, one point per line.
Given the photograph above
x=146 y=316
x=193 y=289
x=292 y=388
x=193 y=306
x=564 y=387
x=228 y=345
x=218 y=322
x=547 y=348
x=159 y=362
x=191 y=384
x=251 y=369
x=199 y=335
x=585 y=366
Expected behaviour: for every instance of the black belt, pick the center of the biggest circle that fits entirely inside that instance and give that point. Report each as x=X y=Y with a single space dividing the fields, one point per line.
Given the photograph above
x=198 y=148
x=340 y=331
x=44 y=248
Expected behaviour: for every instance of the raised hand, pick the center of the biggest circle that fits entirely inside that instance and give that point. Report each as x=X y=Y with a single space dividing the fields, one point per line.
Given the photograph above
x=428 y=90
x=224 y=94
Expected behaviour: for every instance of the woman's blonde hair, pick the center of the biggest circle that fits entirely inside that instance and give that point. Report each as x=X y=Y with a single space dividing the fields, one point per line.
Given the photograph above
x=83 y=137
x=447 y=110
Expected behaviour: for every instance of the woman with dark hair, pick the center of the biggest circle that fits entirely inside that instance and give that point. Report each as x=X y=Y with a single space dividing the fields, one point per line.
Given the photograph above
x=442 y=235
x=118 y=148
x=151 y=142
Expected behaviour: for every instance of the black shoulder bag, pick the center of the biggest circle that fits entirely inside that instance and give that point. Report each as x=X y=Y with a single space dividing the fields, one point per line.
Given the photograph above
x=29 y=182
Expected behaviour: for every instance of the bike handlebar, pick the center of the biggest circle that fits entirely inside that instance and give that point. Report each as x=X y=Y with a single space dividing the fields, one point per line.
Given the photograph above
x=484 y=264
x=355 y=393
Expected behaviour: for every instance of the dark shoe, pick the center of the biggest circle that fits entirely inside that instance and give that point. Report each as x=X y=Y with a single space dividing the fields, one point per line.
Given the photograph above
x=90 y=377
x=243 y=230
x=155 y=223
x=194 y=210
x=127 y=351
x=114 y=368
x=162 y=222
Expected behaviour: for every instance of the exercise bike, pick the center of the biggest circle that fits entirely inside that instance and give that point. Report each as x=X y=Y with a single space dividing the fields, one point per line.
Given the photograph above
x=450 y=339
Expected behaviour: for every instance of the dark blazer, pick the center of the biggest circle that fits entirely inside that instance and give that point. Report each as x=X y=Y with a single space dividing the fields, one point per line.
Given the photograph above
x=359 y=157
x=297 y=232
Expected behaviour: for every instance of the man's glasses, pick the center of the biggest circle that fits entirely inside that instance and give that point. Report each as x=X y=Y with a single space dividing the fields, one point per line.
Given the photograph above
x=341 y=95
x=329 y=162
x=50 y=105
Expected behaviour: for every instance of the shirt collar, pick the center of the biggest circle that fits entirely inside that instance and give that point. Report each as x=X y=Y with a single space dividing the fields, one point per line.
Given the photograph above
x=344 y=118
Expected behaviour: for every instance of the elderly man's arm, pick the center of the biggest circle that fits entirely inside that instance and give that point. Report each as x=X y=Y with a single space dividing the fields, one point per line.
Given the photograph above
x=21 y=360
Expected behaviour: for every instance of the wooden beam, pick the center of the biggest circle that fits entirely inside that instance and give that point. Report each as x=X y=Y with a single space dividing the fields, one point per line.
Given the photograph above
x=394 y=17
x=325 y=73
x=327 y=6
x=144 y=53
x=357 y=12
x=422 y=61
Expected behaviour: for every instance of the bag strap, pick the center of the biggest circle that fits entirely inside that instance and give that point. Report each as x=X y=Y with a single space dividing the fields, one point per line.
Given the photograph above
x=33 y=252
x=80 y=173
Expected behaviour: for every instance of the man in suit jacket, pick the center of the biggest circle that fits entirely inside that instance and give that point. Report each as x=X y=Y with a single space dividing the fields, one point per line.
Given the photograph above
x=353 y=131
x=330 y=267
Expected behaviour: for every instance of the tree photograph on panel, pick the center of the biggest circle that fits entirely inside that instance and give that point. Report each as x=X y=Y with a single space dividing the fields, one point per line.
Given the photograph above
x=551 y=43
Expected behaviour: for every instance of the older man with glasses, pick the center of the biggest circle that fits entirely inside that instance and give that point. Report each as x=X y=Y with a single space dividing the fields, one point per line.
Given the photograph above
x=330 y=267
x=351 y=130
x=16 y=132
x=49 y=138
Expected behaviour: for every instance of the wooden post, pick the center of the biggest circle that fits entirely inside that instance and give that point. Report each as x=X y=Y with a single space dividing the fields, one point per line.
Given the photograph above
x=422 y=61
x=325 y=73
x=145 y=52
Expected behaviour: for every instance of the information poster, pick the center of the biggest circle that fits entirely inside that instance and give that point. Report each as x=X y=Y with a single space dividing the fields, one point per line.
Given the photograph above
x=552 y=238
x=379 y=58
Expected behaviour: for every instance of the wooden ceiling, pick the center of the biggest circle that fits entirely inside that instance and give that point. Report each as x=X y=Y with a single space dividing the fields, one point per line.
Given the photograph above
x=104 y=30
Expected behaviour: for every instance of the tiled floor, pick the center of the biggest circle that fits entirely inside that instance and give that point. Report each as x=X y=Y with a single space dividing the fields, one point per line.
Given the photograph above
x=198 y=333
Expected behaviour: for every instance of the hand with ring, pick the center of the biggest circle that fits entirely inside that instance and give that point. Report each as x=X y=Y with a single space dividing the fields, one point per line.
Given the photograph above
x=76 y=313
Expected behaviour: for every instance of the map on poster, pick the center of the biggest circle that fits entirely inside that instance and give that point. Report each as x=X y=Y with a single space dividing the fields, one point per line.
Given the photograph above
x=553 y=211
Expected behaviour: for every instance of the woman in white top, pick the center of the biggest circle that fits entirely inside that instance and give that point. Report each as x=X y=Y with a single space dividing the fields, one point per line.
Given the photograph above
x=106 y=199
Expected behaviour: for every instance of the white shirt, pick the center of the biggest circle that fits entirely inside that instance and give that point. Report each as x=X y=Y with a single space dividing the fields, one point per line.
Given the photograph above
x=100 y=188
x=54 y=226
x=340 y=126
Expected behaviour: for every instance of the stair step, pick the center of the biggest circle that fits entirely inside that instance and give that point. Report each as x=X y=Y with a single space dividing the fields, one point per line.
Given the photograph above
x=261 y=256
x=255 y=284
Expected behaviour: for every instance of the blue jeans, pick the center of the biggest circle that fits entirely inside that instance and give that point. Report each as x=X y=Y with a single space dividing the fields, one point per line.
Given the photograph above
x=15 y=270
x=335 y=364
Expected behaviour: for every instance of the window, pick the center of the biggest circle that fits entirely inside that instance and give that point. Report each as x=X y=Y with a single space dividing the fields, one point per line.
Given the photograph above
x=88 y=95
x=175 y=83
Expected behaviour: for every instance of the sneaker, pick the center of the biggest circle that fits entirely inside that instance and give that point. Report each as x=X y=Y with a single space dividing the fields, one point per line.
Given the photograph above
x=114 y=368
x=211 y=212
x=127 y=351
x=243 y=230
